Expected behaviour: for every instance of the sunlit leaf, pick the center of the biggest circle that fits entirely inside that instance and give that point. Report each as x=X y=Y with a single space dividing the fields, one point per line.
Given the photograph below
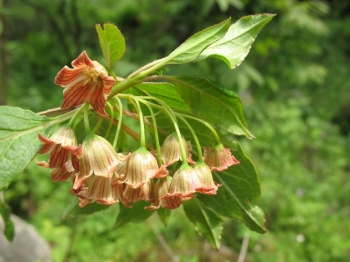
x=19 y=141
x=9 y=229
x=112 y=42
x=239 y=193
x=213 y=103
x=208 y=223
x=193 y=46
x=235 y=45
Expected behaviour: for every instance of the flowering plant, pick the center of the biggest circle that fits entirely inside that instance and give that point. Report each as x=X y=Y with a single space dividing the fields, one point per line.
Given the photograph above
x=184 y=127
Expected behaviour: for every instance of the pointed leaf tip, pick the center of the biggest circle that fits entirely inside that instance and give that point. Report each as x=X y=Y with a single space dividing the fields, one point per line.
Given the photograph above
x=112 y=42
x=235 y=45
x=207 y=222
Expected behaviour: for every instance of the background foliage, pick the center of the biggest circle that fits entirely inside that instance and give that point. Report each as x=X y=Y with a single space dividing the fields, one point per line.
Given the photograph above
x=294 y=85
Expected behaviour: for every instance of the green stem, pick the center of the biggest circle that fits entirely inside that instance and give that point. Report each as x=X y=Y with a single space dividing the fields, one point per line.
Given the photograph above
x=165 y=108
x=137 y=76
x=120 y=121
x=142 y=123
x=198 y=145
x=211 y=129
x=77 y=113
x=135 y=73
x=98 y=125
x=156 y=136
x=111 y=121
x=86 y=119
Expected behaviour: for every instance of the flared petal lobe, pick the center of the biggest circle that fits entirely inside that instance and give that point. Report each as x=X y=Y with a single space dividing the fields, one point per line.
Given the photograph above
x=87 y=81
x=96 y=157
x=160 y=190
x=219 y=158
x=62 y=162
x=99 y=189
x=184 y=183
x=207 y=184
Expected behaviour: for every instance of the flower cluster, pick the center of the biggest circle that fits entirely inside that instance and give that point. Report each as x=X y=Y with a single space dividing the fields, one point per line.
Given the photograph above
x=165 y=177
x=102 y=175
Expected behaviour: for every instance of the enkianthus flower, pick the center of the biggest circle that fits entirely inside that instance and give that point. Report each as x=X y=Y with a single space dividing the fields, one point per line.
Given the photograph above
x=184 y=183
x=144 y=192
x=207 y=184
x=88 y=81
x=96 y=157
x=119 y=172
x=219 y=158
x=140 y=168
x=62 y=161
x=99 y=189
x=171 y=150
x=160 y=190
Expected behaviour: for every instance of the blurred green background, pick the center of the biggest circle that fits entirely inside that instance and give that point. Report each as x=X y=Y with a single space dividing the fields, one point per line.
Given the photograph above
x=294 y=85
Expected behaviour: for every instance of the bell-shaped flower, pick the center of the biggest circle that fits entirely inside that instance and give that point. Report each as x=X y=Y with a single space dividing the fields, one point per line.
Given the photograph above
x=184 y=183
x=61 y=174
x=144 y=192
x=87 y=81
x=62 y=161
x=119 y=173
x=96 y=157
x=160 y=190
x=207 y=184
x=171 y=150
x=99 y=189
x=219 y=158
x=140 y=168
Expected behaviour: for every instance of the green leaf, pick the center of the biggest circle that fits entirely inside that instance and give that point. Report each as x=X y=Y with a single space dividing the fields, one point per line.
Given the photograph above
x=213 y=103
x=235 y=45
x=19 y=141
x=164 y=215
x=239 y=193
x=136 y=214
x=208 y=223
x=9 y=230
x=73 y=209
x=193 y=46
x=112 y=42
x=163 y=91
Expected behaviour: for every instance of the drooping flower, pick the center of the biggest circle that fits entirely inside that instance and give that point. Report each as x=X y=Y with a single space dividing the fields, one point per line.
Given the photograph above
x=140 y=168
x=99 y=189
x=219 y=158
x=184 y=183
x=97 y=157
x=207 y=184
x=62 y=161
x=160 y=190
x=144 y=192
x=87 y=81
x=171 y=150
